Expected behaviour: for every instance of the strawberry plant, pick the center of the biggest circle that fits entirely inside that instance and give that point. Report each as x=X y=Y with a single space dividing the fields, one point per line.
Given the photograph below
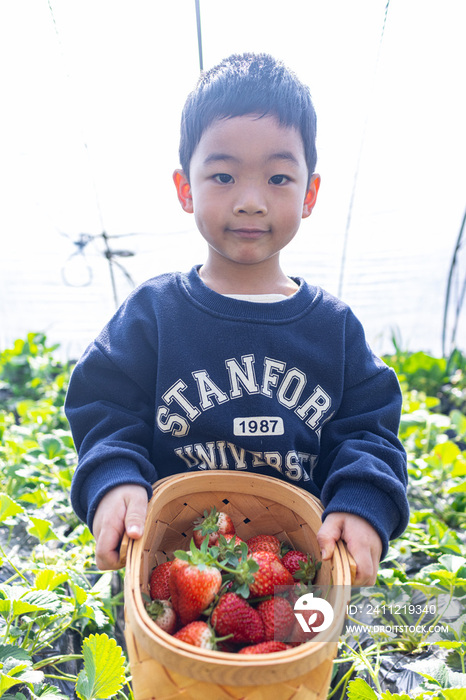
x=60 y=618
x=57 y=612
x=427 y=563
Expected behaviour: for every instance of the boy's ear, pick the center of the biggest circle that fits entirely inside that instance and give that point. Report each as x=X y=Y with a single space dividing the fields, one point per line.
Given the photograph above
x=311 y=196
x=183 y=189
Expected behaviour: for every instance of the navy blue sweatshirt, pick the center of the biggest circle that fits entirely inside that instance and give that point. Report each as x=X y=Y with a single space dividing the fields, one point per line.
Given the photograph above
x=183 y=379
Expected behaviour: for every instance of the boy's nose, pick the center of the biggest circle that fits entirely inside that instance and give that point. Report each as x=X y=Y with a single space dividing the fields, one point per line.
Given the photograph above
x=250 y=201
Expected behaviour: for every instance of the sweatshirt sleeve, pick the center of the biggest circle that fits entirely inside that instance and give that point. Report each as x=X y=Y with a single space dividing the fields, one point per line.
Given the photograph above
x=109 y=407
x=362 y=458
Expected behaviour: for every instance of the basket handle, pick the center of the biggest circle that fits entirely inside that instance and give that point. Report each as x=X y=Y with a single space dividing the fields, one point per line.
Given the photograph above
x=353 y=567
x=123 y=551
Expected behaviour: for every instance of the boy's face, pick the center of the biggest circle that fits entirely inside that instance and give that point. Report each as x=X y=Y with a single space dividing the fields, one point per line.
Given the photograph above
x=248 y=189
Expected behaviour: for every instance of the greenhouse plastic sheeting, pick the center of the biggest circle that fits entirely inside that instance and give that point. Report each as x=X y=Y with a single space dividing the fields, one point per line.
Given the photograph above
x=92 y=100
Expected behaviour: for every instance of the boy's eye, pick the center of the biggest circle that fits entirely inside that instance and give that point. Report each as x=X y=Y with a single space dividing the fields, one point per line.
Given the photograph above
x=224 y=178
x=279 y=179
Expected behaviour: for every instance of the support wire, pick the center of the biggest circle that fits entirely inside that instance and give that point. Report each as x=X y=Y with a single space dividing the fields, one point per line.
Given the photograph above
x=358 y=161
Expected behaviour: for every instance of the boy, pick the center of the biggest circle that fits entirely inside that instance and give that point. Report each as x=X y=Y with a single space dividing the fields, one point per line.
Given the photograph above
x=235 y=365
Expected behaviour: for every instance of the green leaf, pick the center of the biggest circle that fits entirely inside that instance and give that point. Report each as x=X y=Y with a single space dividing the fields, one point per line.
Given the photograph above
x=19 y=601
x=52 y=447
x=38 y=497
x=8 y=507
x=460 y=488
x=51 y=692
x=42 y=529
x=14 y=673
x=7 y=682
x=452 y=562
x=103 y=672
x=447 y=452
x=80 y=593
x=454 y=694
x=445 y=644
x=48 y=579
x=360 y=690
x=459 y=422
x=432 y=669
x=11 y=651
x=181 y=554
x=16 y=608
x=44 y=599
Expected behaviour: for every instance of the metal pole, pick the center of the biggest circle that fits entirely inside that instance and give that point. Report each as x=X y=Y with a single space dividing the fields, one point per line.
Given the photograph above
x=199 y=35
x=449 y=285
x=109 y=255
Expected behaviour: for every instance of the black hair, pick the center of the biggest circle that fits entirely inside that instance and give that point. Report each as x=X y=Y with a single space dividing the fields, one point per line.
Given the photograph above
x=248 y=84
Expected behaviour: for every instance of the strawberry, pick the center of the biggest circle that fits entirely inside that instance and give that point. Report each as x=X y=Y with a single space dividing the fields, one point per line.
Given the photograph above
x=233 y=615
x=278 y=618
x=264 y=648
x=300 y=565
x=159 y=581
x=194 y=582
x=211 y=526
x=198 y=633
x=163 y=614
x=271 y=573
x=264 y=543
x=314 y=618
x=298 y=636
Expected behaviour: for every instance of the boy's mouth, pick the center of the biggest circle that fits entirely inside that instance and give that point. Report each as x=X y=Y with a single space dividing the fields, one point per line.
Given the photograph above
x=249 y=232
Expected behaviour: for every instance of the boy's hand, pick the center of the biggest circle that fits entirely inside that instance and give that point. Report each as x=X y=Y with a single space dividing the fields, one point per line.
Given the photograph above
x=362 y=540
x=122 y=508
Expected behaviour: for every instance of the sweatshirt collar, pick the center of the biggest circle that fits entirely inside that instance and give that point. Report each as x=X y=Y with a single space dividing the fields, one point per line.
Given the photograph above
x=299 y=303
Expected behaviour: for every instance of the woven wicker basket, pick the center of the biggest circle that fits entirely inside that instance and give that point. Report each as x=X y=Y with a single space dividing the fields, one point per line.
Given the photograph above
x=165 y=668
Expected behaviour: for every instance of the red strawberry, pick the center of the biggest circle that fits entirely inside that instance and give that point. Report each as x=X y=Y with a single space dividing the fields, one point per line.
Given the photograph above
x=264 y=543
x=264 y=648
x=316 y=621
x=298 y=636
x=161 y=611
x=233 y=615
x=159 y=581
x=302 y=566
x=271 y=573
x=211 y=526
x=193 y=583
x=198 y=633
x=278 y=618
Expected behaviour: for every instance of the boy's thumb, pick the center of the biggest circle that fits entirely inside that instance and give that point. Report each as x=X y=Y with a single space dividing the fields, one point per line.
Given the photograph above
x=136 y=516
x=328 y=534
x=134 y=530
